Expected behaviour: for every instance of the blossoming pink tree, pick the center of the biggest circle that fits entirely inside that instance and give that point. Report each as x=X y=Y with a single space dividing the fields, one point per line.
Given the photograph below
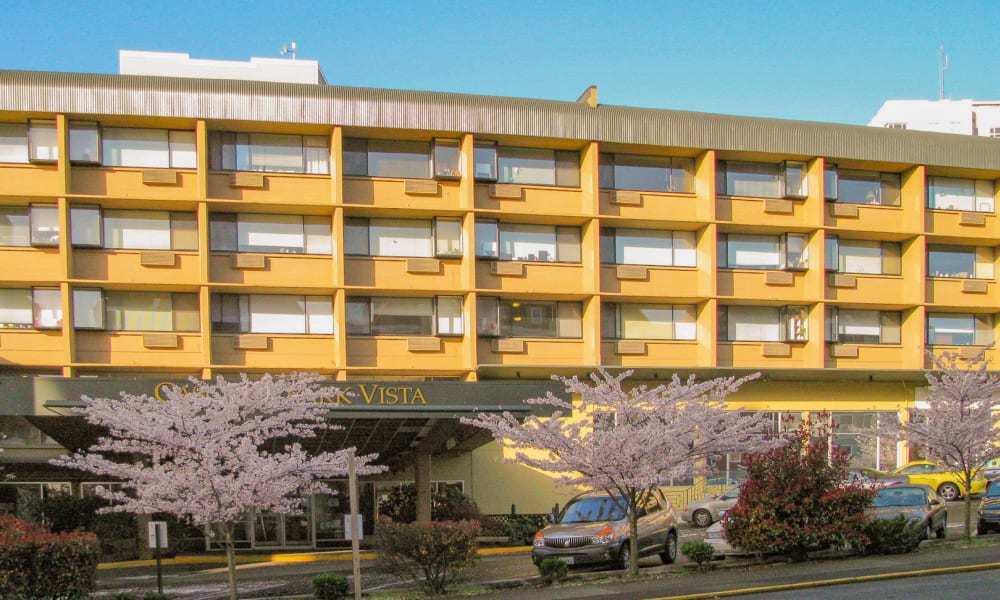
x=632 y=439
x=215 y=453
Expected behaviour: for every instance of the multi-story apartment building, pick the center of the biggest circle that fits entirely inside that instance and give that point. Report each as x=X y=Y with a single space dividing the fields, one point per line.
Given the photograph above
x=442 y=253
x=968 y=117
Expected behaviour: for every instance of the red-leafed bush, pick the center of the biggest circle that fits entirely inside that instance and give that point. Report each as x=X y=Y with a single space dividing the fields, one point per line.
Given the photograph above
x=799 y=498
x=436 y=552
x=36 y=564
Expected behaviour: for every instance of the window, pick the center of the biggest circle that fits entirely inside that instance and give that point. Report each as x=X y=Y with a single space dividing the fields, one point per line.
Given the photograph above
x=895 y=125
x=13 y=143
x=863 y=256
x=862 y=187
x=528 y=318
x=621 y=246
x=762 y=180
x=788 y=251
x=43 y=142
x=402 y=237
x=763 y=323
x=959 y=261
x=485 y=161
x=849 y=326
x=405 y=316
x=390 y=158
x=150 y=311
x=517 y=241
x=958 y=329
x=150 y=148
x=19 y=433
x=272 y=313
x=84 y=142
x=276 y=234
x=88 y=309
x=447 y=159
x=994 y=132
x=37 y=225
x=647 y=173
x=968 y=195
x=852 y=431
x=133 y=229
x=269 y=152
x=38 y=308
x=529 y=166
x=649 y=321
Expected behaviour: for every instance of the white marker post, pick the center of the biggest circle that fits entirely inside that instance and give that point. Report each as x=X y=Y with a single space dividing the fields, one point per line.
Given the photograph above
x=158 y=540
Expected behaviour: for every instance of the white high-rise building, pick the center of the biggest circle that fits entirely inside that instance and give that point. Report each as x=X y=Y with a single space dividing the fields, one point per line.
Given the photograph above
x=968 y=117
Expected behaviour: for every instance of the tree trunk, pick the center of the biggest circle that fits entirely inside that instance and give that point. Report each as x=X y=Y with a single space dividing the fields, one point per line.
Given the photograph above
x=230 y=559
x=968 y=506
x=633 y=547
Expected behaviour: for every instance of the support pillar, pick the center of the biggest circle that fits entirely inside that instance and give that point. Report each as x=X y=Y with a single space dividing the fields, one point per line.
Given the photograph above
x=422 y=481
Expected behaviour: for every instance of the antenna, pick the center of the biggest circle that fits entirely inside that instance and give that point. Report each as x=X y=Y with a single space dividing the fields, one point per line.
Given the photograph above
x=288 y=49
x=942 y=67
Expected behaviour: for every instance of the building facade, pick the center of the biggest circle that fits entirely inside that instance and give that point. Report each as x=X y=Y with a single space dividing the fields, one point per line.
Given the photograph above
x=156 y=228
x=967 y=117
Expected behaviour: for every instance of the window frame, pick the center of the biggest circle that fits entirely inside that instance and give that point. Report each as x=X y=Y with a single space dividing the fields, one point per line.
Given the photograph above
x=223 y=306
x=609 y=246
x=497 y=327
x=224 y=147
x=227 y=233
x=435 y=316
x=39 y=130
x=781 y=241
x=497 y=240
x=616 y=314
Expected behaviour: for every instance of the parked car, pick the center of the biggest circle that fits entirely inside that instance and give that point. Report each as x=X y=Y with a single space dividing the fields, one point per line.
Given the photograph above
x=989 y=510
x=867 y=476
x=947 y=484
x=706 y=511
x=593 y=529
x=918 y=503
x=991 y=470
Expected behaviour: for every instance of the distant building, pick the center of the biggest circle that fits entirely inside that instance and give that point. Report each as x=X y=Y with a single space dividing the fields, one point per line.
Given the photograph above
x=967 y=117
x=180 y=64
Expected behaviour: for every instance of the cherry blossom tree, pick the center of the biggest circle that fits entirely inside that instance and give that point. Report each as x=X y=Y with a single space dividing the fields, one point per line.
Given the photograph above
x=632 y=439
x=215 y=453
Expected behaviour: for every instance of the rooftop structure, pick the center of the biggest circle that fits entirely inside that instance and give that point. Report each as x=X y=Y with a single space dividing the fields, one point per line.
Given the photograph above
x=180 y=64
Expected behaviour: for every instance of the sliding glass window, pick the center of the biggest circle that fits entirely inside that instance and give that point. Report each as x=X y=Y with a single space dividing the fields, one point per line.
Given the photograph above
x=439 y=237
x=762 y=180
x=968 y=195
x=647 y=173
x=862 y=187
x=959 y=329
x=854 y=326
x=763 y=323
x=150 y=148
x=32 y=308
x=269 y=152
x=788 y=251
x=272 y=313
x=621 y=246
x=648 y=321
x=13 y=143
x=390 y=316
x=505 y=317
x=270 y=233
x=537 y=166
x=402 y=159
x=534 y=243
x=963 y=262
x=133 y=229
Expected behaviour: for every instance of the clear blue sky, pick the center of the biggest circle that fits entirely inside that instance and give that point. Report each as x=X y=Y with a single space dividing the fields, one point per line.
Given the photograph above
x=822 y=61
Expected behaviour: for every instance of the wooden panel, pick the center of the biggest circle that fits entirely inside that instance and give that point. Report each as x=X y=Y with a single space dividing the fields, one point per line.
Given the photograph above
x=250 y=342
x=249 y=261
x=973 y=218
x=630 y=347
x=630 y=272
x=779 y=205
x=159 y=340
x=838 y=280
x=159 y=177
x=509 y=191
x=157 y=258
x=424 y=187
x=626 y=197
x=508 y=346
x=779 y=278
x=844 y=351
x=423 y=344
x=423 y=265
x=844 y=210
x=974 y=286
x=507 y=268
x=776 y=350
x=247 y=180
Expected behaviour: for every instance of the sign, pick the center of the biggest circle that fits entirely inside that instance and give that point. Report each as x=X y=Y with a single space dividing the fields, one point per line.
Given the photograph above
x=347 y=527
x=157 y=534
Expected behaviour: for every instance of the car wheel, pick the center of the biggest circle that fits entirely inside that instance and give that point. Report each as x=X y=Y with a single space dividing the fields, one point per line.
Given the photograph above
x=942 y=531
x=982 y=529
x=669 y=553
x=701 y=518
x=949 y=491
x=625 y=558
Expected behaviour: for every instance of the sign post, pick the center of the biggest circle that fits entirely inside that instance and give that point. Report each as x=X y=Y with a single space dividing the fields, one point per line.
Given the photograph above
x=158 y=541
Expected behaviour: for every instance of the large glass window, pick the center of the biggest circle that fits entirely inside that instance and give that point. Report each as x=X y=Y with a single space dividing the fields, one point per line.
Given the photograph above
x=530 y=166
x=88 y=309
x=652 y=247
x=953 y=193
x=762 y=180
x=959 y=329
x=272 y=313
x=403 y=159
x=863 y=256
x=133 y=229
x=649 y=321
x=269 y=152
x=485 y=161
x=13 y=143
x=43 y=142
x=647 y=173
x=85 y=142
x=763 y=323
x=862 y=187
x=960 y=261
x=852 y=326
x=766 y=252
x=403 y=237
x=268 y=233
x=38 y=308
x=150 y=311
x=535 y=243
x=853 y=431
x=528 y=318
x=37 y=225
x=153 y=148
x=405 y=316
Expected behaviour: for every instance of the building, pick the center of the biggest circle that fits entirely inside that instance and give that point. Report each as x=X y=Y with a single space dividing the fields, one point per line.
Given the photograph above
x=440 y=253
x=967 y=117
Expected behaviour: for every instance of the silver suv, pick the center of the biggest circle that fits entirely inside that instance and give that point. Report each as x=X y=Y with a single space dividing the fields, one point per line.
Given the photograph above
x=593 y=528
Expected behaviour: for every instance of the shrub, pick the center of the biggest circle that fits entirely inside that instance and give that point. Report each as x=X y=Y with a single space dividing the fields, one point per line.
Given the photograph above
x=449 y=504
x=898 y=535
x=330 y=586
x=436 y=552
x=521 y=530
x=552 y=570
x=698 y=552
x=36 y=564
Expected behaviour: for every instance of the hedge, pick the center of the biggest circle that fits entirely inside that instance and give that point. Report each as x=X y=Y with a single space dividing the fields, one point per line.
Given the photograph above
x=36 y=564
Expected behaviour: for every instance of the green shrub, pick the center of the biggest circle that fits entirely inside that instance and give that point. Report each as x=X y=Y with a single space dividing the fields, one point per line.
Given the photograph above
x=449 y=504
x=698 y=552
x=36 y=564
x=521 y=530
x=552 y=570
x=898 y=535
x=330 y=586
x=436 y=552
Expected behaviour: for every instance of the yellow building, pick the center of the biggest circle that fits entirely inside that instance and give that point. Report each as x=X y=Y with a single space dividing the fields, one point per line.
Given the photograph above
x=432 y=250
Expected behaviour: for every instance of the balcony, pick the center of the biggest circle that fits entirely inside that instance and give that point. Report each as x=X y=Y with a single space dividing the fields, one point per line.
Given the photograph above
x=512 y=198
x=275 y=351
x=529 y=277
x=868 y=356
x=402 y=353
x=864 y=217
x=274 y=189
x=649 y=353
x=960 y=292
x=785 y=286
x=156 y=267
x=762 y=355
x=864 y=289
x=31 y=264
x=420 y=194
x=641 y=280
x=649 y=206
x=531 y=351
x=272 y=270
x=962 y=224
x=181 y=351
x=150 y=184
x=32 y=348
x=771 y=212
x=965 y=353
x=403 y=273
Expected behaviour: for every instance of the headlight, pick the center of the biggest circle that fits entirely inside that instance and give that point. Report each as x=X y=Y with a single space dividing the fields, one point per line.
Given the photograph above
x=603 y=536
x=539 y=540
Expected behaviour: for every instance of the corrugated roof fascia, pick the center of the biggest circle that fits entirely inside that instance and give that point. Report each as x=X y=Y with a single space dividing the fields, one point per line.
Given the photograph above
x=238 y=100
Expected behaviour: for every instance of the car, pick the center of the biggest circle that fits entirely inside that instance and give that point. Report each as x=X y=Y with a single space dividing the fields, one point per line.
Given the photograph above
x=947 y=484
x=989 y=510
x=991 y=470
x=917 y=502
x=868 y=476
x=593 y=529
x=704 y=512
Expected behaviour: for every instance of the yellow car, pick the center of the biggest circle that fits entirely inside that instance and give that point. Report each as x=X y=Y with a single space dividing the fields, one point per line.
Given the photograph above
x=947 y=484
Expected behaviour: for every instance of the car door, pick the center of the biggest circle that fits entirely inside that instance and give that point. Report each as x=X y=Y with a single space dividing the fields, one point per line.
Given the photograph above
x=724 y=502
x=652 y=532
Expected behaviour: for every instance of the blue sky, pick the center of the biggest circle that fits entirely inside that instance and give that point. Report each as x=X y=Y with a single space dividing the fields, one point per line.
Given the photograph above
x=821 y=61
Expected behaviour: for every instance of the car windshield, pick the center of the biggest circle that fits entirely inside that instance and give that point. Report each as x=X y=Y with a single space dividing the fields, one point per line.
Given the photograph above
x=993 y=491
x=589 y=510
x=896 y=496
